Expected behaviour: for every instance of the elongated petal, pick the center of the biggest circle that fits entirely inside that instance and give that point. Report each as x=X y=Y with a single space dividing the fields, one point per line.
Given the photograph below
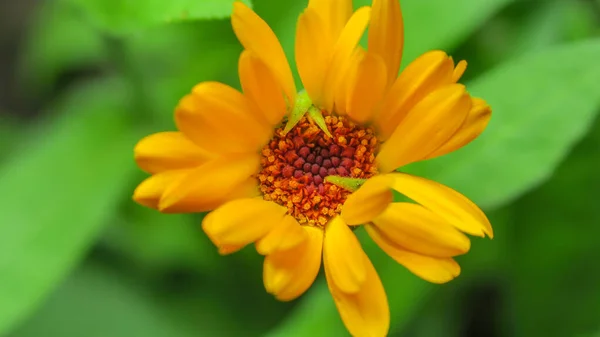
x=459 y=70
x=168 y=151
x=386 y=35
x=431 y=269
x=366 y=203
x=366 y=312
x=219 y=119
x=203 y=203
x=367 y=85
x=426 y=127
x=261 y=87
x=427 y=73
x=454 y=207
x=335 y=14
x=344 y=256
x=286 y=235
x=210 y=182
x=313 y=49
x=287 y=274
x=149 y=191
x=344 y=48
x=415 y=228
x=256 y=36
x=243 y=221
x=342 y=90
x=476 y=121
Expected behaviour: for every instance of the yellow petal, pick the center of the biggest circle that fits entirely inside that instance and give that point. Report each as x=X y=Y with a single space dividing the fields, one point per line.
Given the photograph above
x=343 y=50
x=220 y=119
x=243 y=221
x=454 y=207
x=421 y=77
x=344 y=256
x=342 y=90
x=476 y=121
x=168 y=151
x=211 y=182
x=366 y=203
x=459 y=71
x=256 y=36
x=366 y=312
x=230 y=249
x=415 y=228
x=335 y=14
x=149 y=191
x=426 y=127
x=431 y=269
x=367 y=86
x=313 y=50
x=287 y=274
x=261 y=87
x=284 y=236
x=386 y=35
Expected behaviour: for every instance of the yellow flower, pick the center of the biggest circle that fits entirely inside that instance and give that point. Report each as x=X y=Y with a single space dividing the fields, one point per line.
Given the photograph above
x=295 y=173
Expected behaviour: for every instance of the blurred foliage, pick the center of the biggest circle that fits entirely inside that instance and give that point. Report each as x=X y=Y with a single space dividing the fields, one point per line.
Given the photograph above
x=78 y=257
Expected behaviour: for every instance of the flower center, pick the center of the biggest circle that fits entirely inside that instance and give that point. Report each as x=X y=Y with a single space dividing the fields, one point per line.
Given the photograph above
x=294 y=166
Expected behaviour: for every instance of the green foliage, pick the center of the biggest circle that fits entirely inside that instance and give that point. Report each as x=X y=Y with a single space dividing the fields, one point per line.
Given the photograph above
x=58 y=40
x=57 y=193
x=553 y=267
x=130 y=16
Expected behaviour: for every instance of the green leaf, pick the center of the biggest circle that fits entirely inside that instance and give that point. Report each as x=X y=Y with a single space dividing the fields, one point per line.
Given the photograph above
x=130 y=16
x=555 y=248
x=156 y=242
x=57 y=42
x=542 y=104
x=58 y=192
x=96 y=301
x=170 y=60
x=440 y=24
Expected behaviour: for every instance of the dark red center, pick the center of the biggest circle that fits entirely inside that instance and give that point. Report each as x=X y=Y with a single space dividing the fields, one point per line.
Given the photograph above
x=295 y=165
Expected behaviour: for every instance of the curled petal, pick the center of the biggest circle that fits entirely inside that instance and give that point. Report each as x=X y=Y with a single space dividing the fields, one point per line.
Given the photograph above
x=213 y=181
x=286 y=235
x=368 y=201
x=421 y=77
x=243 y=221
x=426 y=127
x=344 y=256
x=431 y=269
x=261 y=87
x=415 y=228
x=454 y=207
x=287 y=274
x=220 y=119
x=256 y=36
x=365 y=312
x=386 y=35
x=476 y=121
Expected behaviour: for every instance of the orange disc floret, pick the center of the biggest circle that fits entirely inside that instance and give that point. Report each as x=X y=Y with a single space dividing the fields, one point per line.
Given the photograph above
x=294 y=166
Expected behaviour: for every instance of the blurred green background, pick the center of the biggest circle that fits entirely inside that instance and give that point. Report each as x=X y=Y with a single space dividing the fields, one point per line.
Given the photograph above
x=82 y=80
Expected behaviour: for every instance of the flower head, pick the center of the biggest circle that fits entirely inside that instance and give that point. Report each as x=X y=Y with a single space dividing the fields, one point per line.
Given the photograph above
x=295 y=172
